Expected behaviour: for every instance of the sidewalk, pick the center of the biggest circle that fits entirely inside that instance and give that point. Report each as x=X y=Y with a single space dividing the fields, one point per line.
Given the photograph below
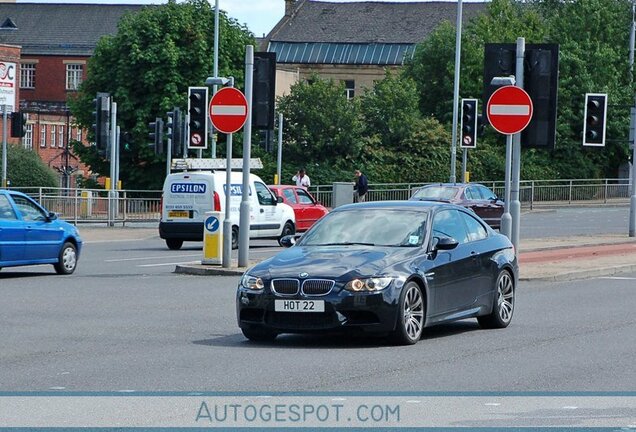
x=546 y=259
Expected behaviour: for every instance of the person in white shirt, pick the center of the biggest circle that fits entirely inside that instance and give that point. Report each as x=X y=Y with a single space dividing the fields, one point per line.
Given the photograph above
x=302 y=179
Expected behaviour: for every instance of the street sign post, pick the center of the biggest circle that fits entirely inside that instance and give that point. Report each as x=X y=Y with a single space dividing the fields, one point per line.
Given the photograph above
x=228 y=110
x=509 y=110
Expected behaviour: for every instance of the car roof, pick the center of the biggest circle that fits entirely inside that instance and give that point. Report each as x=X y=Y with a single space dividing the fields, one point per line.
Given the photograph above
x=13 y=192
x=398 y=205
x=453 y=184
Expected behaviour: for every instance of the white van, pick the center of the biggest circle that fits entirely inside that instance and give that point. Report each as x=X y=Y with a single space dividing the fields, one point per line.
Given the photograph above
x=188 y=195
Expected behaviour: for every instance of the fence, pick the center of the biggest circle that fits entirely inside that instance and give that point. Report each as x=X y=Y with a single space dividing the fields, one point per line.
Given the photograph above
x=98 y=205
x=531 y=192
x=127 y=206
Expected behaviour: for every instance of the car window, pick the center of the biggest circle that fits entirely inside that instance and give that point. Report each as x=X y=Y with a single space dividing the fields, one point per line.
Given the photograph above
x=448 y=223
x=472 y=193
x=303 y=197
x=436 y=193
x=486 y=193
x=476 y=230
x=6 y=210
x=289 y=196
x=30 y=211
x=265 y=197
x=379 y=227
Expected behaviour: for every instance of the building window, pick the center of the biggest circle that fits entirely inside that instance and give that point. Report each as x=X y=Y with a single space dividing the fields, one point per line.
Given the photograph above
x=74 y=74
x=53 y=140
x=43 y=136
x=28 y=137
x=27 y=75
x=60 y=141
x=78 y=135
x=350 y=88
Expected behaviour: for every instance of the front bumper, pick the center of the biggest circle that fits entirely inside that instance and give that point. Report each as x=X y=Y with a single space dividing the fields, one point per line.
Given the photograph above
x=366 y=312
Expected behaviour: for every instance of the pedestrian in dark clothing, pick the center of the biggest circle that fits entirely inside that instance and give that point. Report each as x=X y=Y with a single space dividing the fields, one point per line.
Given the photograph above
x=361 y=187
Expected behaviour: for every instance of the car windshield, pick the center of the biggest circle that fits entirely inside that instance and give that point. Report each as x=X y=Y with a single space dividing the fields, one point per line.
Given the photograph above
x=371 y=227
x=436 y=193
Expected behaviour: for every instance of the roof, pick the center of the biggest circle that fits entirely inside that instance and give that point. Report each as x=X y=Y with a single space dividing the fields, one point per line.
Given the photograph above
x=342 y=53
x=367 y=22
x=60 y=29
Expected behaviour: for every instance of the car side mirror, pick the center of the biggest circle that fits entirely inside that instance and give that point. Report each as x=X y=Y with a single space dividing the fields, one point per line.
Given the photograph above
x=445 y=243
x=51 y=217
x=279 y=199
x=289 y=240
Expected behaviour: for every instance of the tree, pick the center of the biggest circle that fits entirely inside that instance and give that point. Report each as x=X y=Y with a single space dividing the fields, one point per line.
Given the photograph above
x=322 y=130
x=593 y=60
x=147 y=67
x=26 y=169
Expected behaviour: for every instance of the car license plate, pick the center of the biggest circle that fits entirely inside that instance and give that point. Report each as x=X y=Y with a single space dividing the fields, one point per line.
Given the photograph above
x=299 y=305
x=178 y=214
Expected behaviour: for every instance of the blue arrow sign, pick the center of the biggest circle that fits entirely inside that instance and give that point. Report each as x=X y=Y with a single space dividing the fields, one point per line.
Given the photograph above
x=212 y=224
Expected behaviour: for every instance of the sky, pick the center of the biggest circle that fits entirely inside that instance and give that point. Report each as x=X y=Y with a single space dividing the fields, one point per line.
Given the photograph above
x=260 y=16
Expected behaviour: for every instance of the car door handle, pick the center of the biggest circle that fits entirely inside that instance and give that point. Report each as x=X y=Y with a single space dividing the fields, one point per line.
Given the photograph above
x=262 y=211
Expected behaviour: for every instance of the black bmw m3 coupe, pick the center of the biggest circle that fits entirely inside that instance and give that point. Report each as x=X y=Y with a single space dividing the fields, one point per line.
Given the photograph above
x=389 y=268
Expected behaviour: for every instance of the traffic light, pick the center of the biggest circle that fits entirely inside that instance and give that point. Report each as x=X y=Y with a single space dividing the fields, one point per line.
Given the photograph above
x=18 y=124
x=469 y=123
x=156 y=134
x=125 y=141
x=101 y=120
x=174 y=130
x=198 y=111
x=595 y=116
x=264 y=94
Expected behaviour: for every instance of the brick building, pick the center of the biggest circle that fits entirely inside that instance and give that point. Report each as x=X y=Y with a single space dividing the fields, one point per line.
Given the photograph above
x=51 y=44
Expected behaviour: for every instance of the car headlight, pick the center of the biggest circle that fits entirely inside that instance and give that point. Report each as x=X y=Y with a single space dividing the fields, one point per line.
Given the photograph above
x=373 y=283
x=252 y=282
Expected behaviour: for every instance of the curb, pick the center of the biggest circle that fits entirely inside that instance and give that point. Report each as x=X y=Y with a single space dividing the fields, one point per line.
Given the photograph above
x=209 y=270
x=583 y=274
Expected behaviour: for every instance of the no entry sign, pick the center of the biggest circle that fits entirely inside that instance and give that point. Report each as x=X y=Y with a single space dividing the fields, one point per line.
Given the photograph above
x=509 y=110
x=228 y=110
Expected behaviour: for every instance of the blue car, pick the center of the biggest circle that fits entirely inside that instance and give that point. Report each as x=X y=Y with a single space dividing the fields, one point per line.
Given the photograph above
x=30 y=235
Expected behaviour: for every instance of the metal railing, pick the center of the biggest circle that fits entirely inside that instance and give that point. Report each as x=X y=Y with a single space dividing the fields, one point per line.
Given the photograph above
x=128 y=206
x=97 y=205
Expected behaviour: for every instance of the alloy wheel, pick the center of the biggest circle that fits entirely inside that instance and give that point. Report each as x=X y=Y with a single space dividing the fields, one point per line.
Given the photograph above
x=413 y=312
x=505 y=297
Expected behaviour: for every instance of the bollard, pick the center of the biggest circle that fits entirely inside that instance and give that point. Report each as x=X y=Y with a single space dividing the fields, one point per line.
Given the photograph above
x=212 y=239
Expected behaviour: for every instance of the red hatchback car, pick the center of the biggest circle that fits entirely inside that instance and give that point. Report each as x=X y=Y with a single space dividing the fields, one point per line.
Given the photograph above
x=475 y=196
x=306 y=208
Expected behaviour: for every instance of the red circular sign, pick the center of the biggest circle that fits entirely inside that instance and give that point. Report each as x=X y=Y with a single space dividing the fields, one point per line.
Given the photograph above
x=509 y=110
x=228 y=110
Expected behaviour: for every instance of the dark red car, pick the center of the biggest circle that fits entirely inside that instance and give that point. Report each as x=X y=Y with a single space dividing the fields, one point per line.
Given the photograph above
x=306 y=208
x=475 y=196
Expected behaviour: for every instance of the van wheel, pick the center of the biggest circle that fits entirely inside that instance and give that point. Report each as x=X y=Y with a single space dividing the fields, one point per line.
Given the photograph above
x=174 y=244
x=288 y=229
x=235 y=237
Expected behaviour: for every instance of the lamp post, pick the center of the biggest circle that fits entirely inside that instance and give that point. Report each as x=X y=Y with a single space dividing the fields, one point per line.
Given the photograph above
x=458 y=47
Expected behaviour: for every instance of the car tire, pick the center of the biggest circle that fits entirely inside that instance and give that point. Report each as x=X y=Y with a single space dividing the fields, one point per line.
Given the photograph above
x=259 y=335
x=174 y=244
x=67 y=259
x=503 y=303
x=288 y=229
x=411 y=315
x=235 y=237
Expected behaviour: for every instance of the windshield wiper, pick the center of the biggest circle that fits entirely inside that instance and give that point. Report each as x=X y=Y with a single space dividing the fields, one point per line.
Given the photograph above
x=344 y=244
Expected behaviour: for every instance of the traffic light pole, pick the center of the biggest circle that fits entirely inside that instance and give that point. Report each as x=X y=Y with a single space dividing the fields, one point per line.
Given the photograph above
x=515 y=204
x=279 y=155
x=464 y=163
x=4 y=146
x=506 y=219
x=458 y=47
x=112 y=195
x=244 y=231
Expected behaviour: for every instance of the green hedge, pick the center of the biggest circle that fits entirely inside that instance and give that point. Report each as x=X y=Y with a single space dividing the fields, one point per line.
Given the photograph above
x=26 y=169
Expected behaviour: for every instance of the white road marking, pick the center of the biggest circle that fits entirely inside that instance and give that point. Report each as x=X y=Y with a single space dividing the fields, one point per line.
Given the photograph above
x=618 y=278
x=492 y=404
x=414 y=401
x=570 y=407
x=126 y=391
x=339 y=399
x=236 y=110
x=151 y=258
x=169 y=264
x=57 y=388
x=520 y=110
